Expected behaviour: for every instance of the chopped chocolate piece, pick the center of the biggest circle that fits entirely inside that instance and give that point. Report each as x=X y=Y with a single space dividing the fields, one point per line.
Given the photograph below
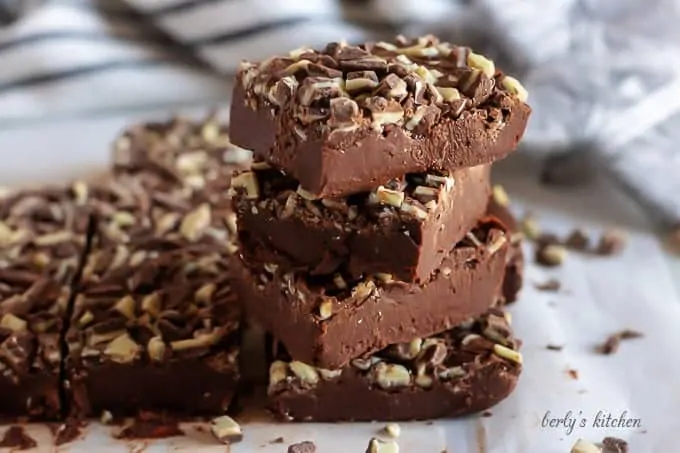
x=404 y=228
x=550 y=255
x=578 y=240
x=155 y=313
x=16 y=439
x=226 y=430
x=583 y=446
x=573 y=374
x=278 y=440
x=286 y=304
x=42 y=239
x=392 y=430
x=470 y=377
x=553 y=347
x=530 y=227
x=611 y=242
x=611 y=345
x=423 y=106
x=382 y=446
x=185 y=154
x=549 y=285
x=614 y=445
x=302 y=447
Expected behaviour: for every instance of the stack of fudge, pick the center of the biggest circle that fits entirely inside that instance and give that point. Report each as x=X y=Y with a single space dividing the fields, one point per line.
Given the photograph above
x=372 y=247
x=115 y=294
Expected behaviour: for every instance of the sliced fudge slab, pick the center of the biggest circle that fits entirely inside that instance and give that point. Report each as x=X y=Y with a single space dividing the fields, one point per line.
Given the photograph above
x=196 y=155
x=467 y=369
x=327 y=321
x=349 y=118
x=514 y=271
x=155 y=325
x=42 y=239
x=404 y=228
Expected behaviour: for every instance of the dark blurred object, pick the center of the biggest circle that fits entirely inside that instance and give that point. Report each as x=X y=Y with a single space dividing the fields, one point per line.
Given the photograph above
x=13 y=10
x=572 y=166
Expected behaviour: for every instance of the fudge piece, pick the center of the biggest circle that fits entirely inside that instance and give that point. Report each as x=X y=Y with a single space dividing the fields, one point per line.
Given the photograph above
x=404 y=228
x=464 y=370
x=326 y=321
x=349 y=118
x=514 y=269
x=42 y=240
x=196 y=155
x=155 y=325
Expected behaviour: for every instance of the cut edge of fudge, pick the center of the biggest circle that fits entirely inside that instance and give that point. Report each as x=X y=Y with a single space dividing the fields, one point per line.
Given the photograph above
x=466 y=369
x=348 y=118
x=499 y=207
x=328 y=320
x=403 y=228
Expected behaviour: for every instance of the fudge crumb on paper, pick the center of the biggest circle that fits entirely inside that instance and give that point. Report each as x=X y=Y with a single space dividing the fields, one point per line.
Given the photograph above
x=612 y=343
x=551 y=284
x=302 y=447
x=16 y=439
x=614 y=445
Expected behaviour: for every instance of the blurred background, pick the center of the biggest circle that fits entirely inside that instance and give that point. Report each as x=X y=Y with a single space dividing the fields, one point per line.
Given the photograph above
x=603 y=76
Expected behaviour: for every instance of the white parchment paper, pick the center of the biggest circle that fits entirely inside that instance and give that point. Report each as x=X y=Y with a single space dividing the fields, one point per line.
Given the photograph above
x=599 y=296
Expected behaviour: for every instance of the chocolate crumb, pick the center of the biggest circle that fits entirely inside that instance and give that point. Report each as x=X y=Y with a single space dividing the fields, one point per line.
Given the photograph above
x=612 y=343
x=611 y=243
x=549 y=285
x=148 y=425
x=550 y=254
x=66 y=432
x=554 y=347
x=577 y=240
x=487 y=414
x=302 y=447
x=278 y=440
x=16 y=438
x=572 y=374
x=614 y=445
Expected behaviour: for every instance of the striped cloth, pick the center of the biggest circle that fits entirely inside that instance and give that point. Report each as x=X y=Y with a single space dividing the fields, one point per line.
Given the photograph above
x=602 y=73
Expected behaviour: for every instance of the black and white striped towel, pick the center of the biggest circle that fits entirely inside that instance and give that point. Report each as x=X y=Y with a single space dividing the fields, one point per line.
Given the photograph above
x=601 y=72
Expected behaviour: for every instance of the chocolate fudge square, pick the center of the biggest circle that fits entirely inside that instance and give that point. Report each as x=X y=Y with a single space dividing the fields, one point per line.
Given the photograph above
x=196 y=155
x=404 y=228
x=464 y=370
x=349 y=118
x=42 y=239
x=327 y=321
x=155 y=325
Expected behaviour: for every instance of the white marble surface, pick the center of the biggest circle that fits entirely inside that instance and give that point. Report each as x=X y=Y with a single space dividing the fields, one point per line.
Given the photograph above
x=639 y=290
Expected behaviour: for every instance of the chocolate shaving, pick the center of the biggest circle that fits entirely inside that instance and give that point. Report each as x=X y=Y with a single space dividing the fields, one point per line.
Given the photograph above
x=554 y=347
x=611 y=345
